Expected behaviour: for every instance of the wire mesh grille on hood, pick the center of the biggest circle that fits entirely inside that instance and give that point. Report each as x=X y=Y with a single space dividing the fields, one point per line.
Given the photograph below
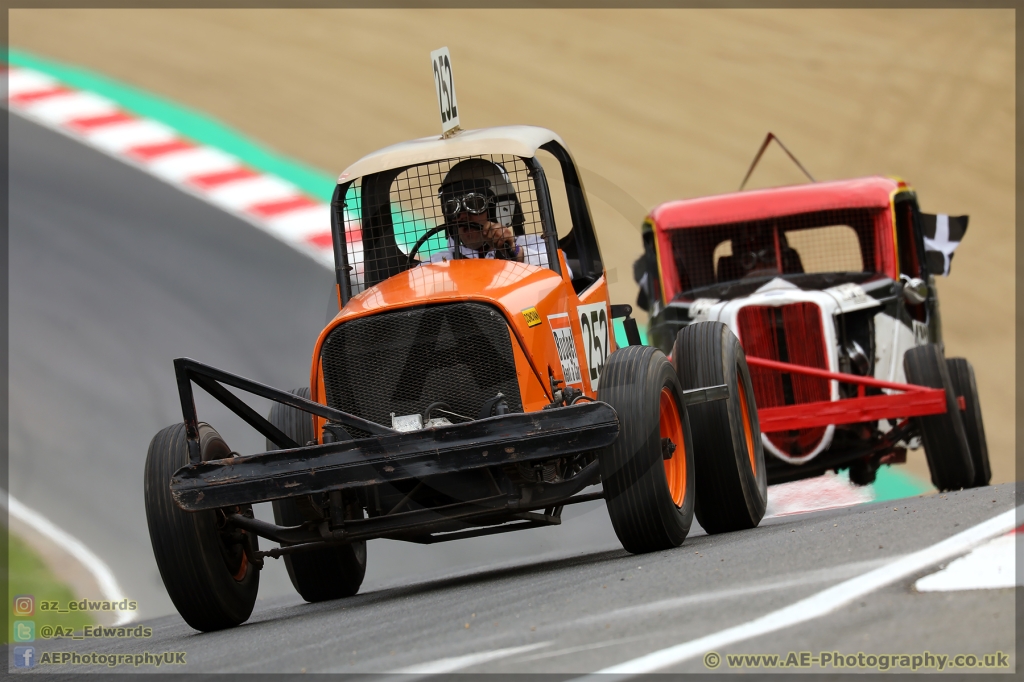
x=402 y=361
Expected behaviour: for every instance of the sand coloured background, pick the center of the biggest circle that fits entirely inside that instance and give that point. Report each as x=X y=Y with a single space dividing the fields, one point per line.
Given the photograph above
x=655 y=105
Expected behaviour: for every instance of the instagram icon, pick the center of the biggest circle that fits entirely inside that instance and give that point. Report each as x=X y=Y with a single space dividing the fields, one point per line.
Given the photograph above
x=24 y=605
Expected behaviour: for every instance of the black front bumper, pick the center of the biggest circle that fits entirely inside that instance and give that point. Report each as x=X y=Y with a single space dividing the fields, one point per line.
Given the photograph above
x=497 y=441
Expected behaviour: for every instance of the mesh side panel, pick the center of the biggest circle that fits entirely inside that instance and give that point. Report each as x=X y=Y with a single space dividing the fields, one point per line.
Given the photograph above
x=789 y=333
x=403 y=361
x=822 y=242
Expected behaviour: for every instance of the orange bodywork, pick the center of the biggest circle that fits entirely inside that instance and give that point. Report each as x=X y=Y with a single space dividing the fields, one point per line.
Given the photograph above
x=523 y=293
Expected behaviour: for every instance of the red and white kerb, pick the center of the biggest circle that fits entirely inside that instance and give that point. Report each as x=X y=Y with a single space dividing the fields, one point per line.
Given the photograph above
x=267 y=202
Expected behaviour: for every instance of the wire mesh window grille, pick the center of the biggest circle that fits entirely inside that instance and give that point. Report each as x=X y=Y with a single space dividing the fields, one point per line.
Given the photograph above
x=834 y=241
x=474 y=207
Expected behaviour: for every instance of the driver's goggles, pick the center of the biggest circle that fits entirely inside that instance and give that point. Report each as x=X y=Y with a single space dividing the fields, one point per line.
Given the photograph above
x=470 y=203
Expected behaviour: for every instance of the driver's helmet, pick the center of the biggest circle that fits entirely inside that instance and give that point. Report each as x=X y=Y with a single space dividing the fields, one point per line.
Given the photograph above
x=478 y=185
x=754 y=249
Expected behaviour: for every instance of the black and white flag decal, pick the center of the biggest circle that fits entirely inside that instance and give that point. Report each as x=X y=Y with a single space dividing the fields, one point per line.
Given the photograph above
x=942 y=234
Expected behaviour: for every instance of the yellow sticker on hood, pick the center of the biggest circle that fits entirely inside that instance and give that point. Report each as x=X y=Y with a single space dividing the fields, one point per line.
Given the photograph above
x=532 y=317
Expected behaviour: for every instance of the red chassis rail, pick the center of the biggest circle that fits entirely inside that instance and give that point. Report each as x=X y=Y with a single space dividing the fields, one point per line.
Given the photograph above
x=915 y=401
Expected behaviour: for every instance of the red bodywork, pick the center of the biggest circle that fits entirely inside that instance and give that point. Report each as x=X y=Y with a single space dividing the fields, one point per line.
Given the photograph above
x=806 y=420
x=871 y=193
x=916 y=401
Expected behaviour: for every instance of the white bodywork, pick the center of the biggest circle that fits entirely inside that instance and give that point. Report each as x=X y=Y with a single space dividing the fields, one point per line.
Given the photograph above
x=892 y=338
x=523 y=141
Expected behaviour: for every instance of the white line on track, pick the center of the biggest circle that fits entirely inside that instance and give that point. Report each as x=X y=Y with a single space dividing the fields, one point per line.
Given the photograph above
x=582 y=647
x=989 y=567
x=815 y=606
x=660 y=606
x=100 y=571
x=448 y=665
x=800 y=579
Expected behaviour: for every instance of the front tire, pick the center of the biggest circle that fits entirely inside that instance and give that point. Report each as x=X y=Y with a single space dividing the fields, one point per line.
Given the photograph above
x=204 y=567
x=732 y=482
x=943 y=435
x=649 y=498
x=319 y=574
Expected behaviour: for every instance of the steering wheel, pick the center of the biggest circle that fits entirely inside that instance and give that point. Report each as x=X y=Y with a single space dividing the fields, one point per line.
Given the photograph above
x=504 y=253
x=421 y=241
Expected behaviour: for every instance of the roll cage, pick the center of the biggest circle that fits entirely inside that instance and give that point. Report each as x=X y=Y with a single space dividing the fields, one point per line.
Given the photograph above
x=892 y=247
x=363 y=224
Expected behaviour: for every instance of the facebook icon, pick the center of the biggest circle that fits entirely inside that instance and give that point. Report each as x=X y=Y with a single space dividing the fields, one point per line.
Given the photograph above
x=24 y=656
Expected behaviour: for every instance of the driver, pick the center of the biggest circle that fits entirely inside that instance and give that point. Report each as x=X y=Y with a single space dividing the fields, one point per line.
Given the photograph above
x=483 y=217
x=755 y=250
x=757 y=254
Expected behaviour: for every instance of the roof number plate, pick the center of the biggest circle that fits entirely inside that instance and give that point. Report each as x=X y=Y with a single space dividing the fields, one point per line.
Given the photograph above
x=444 y=85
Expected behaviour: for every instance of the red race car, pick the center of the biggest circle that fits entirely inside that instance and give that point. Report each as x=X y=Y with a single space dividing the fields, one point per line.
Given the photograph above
x=830 y=288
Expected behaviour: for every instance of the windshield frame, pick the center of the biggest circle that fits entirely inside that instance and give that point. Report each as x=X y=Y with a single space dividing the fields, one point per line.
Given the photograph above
x=676 y=246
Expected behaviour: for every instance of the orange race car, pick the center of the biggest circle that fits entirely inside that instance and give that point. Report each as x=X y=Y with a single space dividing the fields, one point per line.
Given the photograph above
x=469 y=384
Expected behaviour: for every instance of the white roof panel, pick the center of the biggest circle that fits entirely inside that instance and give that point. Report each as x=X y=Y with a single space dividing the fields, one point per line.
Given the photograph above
x=513 y=140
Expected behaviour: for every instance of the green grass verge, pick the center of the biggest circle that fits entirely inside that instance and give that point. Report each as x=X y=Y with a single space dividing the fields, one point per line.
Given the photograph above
x=27 y=574
x=894 y=483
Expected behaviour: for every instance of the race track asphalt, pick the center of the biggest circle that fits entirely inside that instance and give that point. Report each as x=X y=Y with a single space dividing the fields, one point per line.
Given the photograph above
x=113 y=274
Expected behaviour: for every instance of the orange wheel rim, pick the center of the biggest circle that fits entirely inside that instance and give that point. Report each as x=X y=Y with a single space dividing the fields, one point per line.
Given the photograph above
x=748 y=430
x=671 y=427
x=243 y=566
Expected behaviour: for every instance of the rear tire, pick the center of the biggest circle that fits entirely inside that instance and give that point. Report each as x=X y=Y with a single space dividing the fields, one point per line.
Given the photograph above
x=943 y=435
x=961 y=374
x=320 y=574
x=863 y=471
x=650 y=499
x=732 y=482
x=208 y=577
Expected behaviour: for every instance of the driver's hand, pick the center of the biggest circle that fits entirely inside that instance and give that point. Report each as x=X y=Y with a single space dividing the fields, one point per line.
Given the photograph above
x=500 y=237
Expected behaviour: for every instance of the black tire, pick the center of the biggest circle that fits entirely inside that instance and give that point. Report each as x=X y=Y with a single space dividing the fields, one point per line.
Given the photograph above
x=320 y=574
x=961 y=374
x=645 y=515
x=732 y=482
x=943 y=435
x=863 y=471
x=208 y=577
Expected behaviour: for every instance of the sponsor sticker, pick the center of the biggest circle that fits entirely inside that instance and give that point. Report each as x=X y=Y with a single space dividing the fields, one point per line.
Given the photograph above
x=920 y=332
x=532 y=317
x=561 y=329
x=851 y=296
